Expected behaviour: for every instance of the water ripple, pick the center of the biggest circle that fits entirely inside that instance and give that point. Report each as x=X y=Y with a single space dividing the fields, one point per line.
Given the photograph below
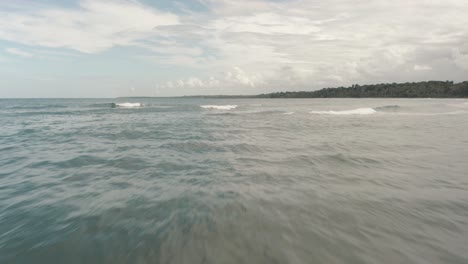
x=82 y=181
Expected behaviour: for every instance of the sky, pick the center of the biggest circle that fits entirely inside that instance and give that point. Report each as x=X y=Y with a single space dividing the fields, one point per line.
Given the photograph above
x=110 y=48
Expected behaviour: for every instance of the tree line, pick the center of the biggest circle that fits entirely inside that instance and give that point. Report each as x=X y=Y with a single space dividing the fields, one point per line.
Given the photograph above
x=430 y=89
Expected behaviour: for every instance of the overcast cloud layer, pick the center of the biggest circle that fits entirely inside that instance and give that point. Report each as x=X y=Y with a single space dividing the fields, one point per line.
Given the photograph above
x=95 y=48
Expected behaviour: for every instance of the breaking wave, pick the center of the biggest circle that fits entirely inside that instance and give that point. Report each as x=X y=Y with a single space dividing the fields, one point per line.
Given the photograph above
x=127 y=105
x=219 y=107
x=102 y=105
x=358 y=111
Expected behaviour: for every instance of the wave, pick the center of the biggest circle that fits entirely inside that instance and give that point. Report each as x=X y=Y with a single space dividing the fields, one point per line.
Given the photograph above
x=219 y=107
x=460 y=105
x=39 y=107
x=223 y=114
x=102 y=105
x=128 y=105
x=358 y=111
x=387 y=107
x=115 y=105
x=288 y=113
x=460 y=112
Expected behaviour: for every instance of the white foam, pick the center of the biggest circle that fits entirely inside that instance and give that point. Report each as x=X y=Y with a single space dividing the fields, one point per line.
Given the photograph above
x=359 y=111
x=129 y=105
x=288 y=113
x=219 y=107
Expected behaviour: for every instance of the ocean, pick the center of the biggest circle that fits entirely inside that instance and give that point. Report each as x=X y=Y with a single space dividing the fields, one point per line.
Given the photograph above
x=192 y=180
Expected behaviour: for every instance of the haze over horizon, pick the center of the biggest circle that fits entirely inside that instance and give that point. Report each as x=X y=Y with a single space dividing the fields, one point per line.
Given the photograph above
x=110 y=48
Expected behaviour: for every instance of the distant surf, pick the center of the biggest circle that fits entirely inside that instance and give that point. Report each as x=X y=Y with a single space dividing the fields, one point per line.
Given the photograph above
x=127 y=105
x=358 y=111
x=219 y=107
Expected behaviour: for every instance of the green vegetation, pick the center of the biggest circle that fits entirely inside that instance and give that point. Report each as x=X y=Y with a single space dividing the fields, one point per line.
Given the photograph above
x=431 y=89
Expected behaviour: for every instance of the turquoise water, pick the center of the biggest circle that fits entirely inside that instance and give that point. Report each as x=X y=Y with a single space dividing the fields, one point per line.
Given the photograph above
x=233 y=181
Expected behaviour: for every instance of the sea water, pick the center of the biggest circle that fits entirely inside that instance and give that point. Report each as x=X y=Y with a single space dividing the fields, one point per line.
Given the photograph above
x=188 y=180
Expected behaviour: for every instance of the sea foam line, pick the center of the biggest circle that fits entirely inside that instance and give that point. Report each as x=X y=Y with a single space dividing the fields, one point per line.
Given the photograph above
x=358 y=111
x=219 y=107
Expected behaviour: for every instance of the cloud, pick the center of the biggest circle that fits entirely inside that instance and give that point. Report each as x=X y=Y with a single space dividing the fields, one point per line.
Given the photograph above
x=19 y=52
x=239 y=76
x=235 y=78
x=266 y=23
x=418 y=67
x=95 y=26
x=461 y=59
x=191 y=82
x=260 y=45
x=311 y=44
